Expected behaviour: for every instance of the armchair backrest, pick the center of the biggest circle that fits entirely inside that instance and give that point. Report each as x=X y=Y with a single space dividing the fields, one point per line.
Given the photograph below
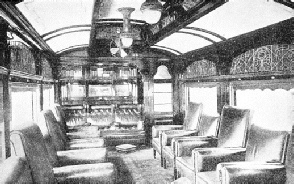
x=233 y=130
x=59 y=115
x=192 y=118
x=208 y=125
x=27 y=140
x=50 y=124
x=266 y=145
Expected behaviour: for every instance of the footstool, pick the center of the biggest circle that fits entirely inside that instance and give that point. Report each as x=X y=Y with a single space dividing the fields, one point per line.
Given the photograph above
x=117 y=137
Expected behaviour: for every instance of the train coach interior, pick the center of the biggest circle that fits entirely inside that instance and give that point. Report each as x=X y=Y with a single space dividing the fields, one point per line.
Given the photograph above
x=146 y=91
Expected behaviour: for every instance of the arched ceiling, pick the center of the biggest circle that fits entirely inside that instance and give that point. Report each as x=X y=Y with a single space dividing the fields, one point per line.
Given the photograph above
x=69 y=24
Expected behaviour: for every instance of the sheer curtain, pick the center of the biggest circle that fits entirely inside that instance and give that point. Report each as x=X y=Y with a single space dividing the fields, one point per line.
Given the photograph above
x=207 y=95
x=272 y=108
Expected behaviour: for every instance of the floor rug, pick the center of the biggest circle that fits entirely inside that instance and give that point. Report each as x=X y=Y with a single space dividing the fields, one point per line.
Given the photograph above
x=139 y=167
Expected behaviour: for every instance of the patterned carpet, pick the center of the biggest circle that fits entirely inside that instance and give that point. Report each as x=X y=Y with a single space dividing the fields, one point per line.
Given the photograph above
x=139 y=167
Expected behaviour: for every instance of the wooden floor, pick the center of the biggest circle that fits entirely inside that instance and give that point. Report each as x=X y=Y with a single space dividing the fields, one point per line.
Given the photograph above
x=139 y=167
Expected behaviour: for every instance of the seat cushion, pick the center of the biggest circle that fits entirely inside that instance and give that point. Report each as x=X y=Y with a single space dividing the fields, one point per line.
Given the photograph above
x=87 y=173
x=84 y=145
x=84 y=156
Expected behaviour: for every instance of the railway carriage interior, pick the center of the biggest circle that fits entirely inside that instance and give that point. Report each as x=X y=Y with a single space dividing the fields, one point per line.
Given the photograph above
x=146 y=91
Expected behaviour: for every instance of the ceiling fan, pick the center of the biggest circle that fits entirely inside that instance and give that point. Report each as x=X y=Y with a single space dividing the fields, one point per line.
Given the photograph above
x=120 y=45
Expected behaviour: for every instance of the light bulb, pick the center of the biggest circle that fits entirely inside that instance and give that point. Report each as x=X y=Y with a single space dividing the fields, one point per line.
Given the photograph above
x=126 y=41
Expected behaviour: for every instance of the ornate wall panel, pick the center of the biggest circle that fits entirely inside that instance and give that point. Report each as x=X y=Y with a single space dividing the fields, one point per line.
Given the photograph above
x=46 y=69
x=22 y=58
x=266 y=59
x=200 y=68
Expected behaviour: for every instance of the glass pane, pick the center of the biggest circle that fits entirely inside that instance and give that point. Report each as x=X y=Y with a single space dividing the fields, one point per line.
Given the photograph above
x=162 y=87
x=21 y=107
x=99 y=90
x=123 y=90
x=271 y=108
x=205 y=95
x=48 y=97
x=77 y=90
x=162 y=98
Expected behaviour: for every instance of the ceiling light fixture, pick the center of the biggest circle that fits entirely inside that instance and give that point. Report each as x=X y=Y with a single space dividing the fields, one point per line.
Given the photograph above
x=126 y=35
x=151 y=10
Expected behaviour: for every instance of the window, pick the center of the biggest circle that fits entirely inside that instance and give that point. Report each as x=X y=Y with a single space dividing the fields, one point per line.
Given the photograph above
x=272 y=104
x=25 y=103
x=48 y=96
x=162 y=97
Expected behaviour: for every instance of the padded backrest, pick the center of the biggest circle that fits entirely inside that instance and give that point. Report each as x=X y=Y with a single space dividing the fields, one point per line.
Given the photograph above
x=49 y=143
x=27 y=137
x=48 y=120
x=208 y=125
x=266 y=145
x=233 y=128
x=192 y=118
x=58 y=137
x=59 y=115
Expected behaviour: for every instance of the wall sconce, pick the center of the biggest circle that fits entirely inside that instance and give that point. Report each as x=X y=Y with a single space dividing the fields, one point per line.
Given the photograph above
x=126 y=36
x=151 y=10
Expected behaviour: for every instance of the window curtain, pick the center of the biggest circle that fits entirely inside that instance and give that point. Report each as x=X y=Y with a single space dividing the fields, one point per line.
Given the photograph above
x=205 y=94
x=271 y=102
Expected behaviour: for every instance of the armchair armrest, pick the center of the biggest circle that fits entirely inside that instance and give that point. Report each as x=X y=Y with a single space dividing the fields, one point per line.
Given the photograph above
x=168 y=135
x=183 y=146
x=250 y=172
x=206 y=159
x=157 y=128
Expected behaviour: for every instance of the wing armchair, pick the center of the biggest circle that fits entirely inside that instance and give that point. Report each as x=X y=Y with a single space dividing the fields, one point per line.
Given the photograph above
x=233 y=129
x=208 y=126
x=189 y=127
x=263 y=162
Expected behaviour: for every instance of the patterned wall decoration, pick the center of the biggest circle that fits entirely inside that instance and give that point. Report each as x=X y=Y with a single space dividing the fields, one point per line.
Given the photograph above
x=46 y=69
x=200 y=68
x=22 y=58
x=266 y=59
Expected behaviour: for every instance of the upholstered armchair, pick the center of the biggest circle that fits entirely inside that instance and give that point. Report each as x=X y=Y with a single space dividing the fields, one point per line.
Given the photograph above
x=189 y=127
x=27 y=142
x=233 y=130
x=48 y=124
x=263 y=161
x=208 y=126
